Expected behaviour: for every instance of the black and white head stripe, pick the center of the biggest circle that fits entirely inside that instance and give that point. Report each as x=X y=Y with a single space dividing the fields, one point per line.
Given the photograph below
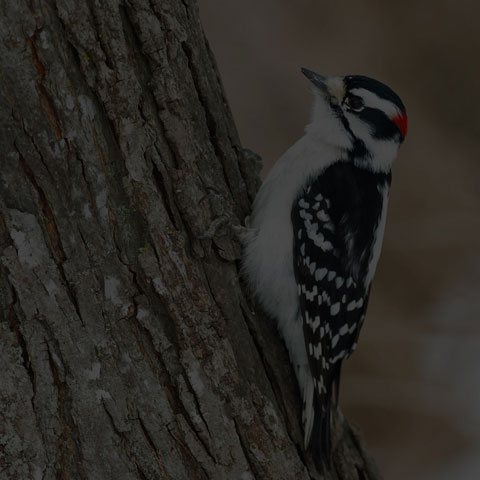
x=379 y=89
x=383 y=109
x=335 y=219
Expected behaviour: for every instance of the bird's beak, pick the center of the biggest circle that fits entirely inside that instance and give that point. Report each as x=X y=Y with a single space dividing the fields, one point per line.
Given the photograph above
x=332 y=88
x=318 y=80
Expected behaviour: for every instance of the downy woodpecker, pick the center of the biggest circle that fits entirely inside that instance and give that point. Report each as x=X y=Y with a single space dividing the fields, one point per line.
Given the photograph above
x=316 y=234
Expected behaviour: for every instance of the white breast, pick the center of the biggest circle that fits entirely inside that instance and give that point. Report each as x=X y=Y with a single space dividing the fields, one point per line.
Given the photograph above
x=268 y=252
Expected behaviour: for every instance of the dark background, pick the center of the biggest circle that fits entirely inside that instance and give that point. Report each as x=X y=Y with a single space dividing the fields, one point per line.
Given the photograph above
x=413 y=385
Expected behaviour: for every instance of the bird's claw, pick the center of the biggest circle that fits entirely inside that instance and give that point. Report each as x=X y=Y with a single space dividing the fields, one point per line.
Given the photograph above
x=213 y=227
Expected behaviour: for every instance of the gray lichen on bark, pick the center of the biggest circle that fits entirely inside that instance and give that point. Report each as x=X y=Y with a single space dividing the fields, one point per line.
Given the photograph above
x=128 y=347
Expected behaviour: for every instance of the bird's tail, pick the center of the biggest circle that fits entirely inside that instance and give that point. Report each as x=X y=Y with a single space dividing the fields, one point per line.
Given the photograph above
x=321 y=440
x=318 y=438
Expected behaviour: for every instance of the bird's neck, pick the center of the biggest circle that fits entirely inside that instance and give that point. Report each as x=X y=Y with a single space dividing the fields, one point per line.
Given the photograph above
x=374 y=155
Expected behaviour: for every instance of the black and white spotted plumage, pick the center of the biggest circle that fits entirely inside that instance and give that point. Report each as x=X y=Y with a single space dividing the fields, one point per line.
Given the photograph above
x=334 y=219
x=316 y=233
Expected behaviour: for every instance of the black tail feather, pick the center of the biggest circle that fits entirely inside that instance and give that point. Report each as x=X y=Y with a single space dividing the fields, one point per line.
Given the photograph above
x=337 y=368
x=321 y=442
x=321 y=439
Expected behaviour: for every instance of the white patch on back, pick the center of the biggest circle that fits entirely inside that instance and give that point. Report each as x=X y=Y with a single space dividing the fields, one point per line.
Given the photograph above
x=379 y=231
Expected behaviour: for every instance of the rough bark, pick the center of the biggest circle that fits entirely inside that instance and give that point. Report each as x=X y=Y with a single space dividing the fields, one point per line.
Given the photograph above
x=128 y=348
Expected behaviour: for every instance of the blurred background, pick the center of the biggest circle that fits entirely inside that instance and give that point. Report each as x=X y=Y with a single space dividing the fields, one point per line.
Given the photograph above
x=413 y=385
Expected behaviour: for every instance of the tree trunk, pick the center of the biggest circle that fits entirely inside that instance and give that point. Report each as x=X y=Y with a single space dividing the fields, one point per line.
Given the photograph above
x=128 y=348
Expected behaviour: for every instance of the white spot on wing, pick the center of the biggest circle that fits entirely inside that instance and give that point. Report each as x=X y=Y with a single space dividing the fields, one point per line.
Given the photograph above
x=320 y=274
x=326 y=297
x=322 y=216
x=305 y=215
x=351 y=306
x=335 y=308
x=311 y=295
x=326 y=246
x=339 y=356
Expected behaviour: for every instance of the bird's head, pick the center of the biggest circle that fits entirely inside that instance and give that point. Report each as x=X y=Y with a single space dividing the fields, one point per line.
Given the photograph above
x=358 y=114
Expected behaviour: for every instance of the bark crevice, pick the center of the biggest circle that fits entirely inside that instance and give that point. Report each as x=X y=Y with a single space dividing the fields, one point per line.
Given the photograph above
x=45 y=100
x=51 y=229
x=14 y=324
x=68 y=447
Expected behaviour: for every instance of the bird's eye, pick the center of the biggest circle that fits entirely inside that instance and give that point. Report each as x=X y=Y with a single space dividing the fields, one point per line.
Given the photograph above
x=355 y=103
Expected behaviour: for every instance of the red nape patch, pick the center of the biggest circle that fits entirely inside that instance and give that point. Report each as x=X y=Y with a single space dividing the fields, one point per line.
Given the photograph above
x=401 y=122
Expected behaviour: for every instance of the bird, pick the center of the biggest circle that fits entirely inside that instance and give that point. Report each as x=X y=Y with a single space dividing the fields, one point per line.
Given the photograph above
x=315 y=235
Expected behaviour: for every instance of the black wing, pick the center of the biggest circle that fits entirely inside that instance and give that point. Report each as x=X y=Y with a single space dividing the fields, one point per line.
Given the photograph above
x=332 y=248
